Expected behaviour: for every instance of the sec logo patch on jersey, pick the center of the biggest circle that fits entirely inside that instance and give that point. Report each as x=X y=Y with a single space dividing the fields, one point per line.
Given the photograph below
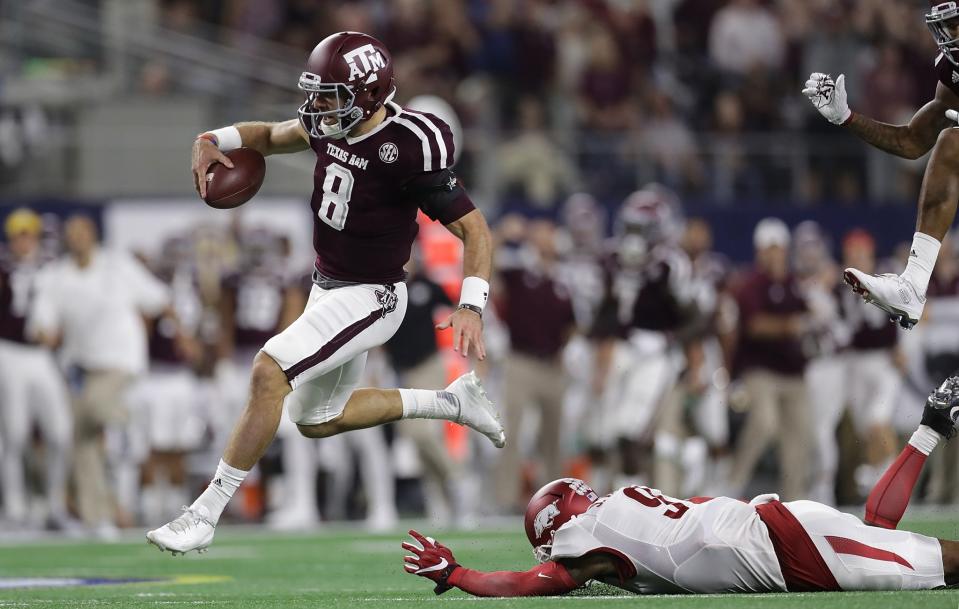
x=389 y=152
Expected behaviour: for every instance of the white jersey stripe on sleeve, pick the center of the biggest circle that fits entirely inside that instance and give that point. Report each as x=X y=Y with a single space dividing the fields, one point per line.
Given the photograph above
x=439 y=136
x=427 y=155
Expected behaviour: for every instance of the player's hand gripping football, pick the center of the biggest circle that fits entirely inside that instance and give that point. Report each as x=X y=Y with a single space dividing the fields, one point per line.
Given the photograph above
x=828 y=96
x=205 y=154
x=467 y=331
x=430 y=559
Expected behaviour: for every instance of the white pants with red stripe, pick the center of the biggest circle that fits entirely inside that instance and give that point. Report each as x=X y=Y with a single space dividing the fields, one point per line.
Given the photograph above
x=862 y=557
x=323 y=352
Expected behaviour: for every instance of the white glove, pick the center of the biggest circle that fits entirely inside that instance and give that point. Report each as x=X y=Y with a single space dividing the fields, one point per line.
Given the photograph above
x=829 y=96
x=952 y=115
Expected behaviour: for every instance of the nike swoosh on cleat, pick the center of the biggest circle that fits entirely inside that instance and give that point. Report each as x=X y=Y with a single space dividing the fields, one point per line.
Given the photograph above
x=543 y=575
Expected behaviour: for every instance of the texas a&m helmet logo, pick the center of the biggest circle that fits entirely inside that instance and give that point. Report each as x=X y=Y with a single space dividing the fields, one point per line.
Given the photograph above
x=363 y=61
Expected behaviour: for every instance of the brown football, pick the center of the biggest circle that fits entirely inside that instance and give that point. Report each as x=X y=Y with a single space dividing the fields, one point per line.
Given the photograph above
x=228 y=188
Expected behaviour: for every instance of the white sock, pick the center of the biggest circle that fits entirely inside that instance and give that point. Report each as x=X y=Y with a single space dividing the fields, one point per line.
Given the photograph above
x=925 y=439
x=225 y=482
x=429 y=404
x=922 y=259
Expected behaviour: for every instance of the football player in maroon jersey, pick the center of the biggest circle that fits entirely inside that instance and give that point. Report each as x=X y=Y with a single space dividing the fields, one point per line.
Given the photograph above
x=377 y=165
x=32 y=389
x=931 y=128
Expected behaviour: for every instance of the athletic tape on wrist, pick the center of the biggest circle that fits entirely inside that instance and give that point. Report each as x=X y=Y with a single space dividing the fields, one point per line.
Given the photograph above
x=227 y=138
x=475 y=292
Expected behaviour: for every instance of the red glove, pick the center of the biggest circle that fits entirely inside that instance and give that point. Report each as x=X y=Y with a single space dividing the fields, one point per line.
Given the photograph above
x=431 y=560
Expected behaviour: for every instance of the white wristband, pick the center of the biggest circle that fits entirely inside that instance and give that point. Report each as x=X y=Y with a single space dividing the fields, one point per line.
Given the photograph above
x=227 y=138
x=475 y=292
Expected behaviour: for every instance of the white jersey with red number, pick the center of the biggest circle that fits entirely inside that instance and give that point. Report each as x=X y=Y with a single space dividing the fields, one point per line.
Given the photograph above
x=676 y=546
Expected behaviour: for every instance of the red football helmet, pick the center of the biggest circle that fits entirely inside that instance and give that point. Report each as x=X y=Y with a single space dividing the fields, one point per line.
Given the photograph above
x=551 y=507
x=352 y=71
x=946 y=34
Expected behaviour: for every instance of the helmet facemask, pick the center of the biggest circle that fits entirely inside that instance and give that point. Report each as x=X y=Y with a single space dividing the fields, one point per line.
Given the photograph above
x=938 y=21
x=542 y=553
x=346 y=113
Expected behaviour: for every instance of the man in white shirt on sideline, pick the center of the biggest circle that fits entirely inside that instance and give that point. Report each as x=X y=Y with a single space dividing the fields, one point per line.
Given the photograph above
x=91 y=304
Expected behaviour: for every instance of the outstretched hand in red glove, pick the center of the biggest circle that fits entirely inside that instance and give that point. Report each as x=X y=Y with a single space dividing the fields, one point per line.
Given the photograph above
x=430 y=559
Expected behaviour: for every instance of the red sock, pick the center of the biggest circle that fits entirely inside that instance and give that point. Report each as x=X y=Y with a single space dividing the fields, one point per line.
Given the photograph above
x=888 y=500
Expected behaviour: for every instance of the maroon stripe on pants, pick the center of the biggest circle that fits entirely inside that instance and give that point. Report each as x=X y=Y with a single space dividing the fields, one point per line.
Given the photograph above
x=844 y=545
x=802 y=565
x=344 y=336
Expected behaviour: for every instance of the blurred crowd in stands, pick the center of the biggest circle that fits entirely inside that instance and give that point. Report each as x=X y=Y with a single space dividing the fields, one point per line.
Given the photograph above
x=605 y=95
x=644 y=356
x=558 y=96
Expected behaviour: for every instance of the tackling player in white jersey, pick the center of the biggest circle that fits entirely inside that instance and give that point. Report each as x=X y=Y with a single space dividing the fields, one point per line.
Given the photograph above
x=640 y=540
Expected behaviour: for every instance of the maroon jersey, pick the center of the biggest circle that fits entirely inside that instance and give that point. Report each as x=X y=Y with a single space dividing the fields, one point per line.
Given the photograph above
x=538 y=310
x=186 y=303
x=17 y=290
x=367 y=191
x=656 y=297
x=760 y=294
x=947 y=73
x=257 y=296
x=868 y=325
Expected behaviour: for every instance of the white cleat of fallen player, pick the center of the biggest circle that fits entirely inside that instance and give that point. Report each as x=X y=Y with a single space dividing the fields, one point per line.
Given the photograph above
x=192 y=530
x=892 y=293
x=475 y=408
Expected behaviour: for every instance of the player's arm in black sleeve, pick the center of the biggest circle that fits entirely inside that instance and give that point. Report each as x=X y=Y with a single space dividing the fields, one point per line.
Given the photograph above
x=915 y=138
x=442 y=197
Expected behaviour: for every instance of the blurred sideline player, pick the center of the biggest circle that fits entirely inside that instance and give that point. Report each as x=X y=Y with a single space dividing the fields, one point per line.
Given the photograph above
x=32 y=391
x=904 y=296
x=255 y=304
x=692 y=431
x=645 y=329
x=169 y=402
x=874 y=375
x=828 y=336
x=414 y=355
x=91 y=305
x=377 y=164
x=645 y=542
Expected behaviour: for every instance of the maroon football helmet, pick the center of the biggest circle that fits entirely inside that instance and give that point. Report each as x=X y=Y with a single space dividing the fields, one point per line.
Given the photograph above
x=647 y=218
x=353 y=74
x=551 y=507
x=945 y=33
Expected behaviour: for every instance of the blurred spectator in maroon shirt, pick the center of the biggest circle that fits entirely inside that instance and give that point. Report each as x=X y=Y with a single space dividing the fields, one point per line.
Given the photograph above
x=635 y=32
x=538 y=312
x=890 y=88
x=770 y=363
x=605 y=86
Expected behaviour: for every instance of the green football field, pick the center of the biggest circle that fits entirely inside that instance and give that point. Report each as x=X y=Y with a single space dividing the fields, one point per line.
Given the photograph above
x=346 y=569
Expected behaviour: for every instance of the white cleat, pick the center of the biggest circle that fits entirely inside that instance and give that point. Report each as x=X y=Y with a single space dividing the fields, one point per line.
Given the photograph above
x=889 y=292
x=192 y=530
x=475 y=408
